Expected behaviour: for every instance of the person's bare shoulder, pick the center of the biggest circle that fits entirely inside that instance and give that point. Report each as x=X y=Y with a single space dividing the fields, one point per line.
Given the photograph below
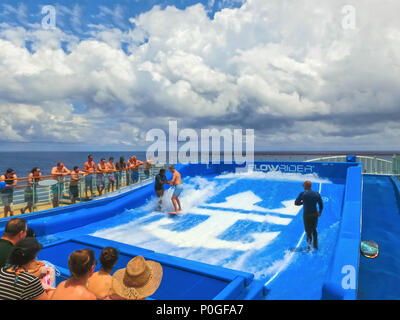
x=87 y=295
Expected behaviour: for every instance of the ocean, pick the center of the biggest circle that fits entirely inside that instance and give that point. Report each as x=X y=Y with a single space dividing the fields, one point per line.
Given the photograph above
x=22 y=162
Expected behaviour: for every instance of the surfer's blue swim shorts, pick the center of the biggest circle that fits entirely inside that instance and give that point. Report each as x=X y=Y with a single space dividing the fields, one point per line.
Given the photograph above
x=178 y=190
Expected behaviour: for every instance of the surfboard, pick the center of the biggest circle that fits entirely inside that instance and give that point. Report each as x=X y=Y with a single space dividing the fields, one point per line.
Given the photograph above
x=369 y=249
x=47 y=183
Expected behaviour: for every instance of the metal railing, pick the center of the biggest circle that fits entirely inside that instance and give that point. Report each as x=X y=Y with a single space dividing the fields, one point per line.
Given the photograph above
x=32 y=196
x=370 y=165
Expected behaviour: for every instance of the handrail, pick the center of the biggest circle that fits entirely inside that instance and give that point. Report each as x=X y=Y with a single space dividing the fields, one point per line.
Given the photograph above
x=67 y=174
x=370 y=165
x=32 y=197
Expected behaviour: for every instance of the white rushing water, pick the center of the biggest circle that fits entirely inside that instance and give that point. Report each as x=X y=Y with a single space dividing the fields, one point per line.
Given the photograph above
x=195 y=233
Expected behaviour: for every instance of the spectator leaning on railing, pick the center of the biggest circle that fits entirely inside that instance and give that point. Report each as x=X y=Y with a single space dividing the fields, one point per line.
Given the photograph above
x=30 y=193
x=89 y=167
x=7 y=193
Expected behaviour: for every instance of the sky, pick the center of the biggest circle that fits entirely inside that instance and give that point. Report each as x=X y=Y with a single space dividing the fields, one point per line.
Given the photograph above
x=305 y=75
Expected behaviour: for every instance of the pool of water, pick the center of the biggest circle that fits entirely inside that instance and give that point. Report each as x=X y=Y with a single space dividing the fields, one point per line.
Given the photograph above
x=242 y=221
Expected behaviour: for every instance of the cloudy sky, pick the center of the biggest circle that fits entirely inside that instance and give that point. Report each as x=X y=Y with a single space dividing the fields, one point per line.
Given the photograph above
x=304 y=74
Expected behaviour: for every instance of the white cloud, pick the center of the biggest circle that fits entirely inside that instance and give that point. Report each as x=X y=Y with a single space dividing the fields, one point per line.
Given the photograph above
x=287 y=69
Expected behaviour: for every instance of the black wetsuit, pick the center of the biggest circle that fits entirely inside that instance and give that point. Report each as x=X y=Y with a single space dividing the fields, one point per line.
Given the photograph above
x=309 y=200
x=159 y=183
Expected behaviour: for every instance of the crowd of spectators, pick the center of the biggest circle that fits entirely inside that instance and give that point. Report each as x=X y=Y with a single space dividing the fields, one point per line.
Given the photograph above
x=23 y=277
x=106 y=176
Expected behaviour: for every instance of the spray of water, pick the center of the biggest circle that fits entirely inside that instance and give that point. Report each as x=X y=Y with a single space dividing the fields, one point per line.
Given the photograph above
x=274 y=176
x=157 y=231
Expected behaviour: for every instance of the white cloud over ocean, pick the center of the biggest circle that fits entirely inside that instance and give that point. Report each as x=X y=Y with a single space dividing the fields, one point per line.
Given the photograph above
x=287 y=69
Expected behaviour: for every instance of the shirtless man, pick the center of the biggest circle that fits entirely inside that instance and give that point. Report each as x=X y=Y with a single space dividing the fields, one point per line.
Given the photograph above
x=89 y=167
x=81 y=266
x=30 y=192
x=10 y=179
x=58 y=173
x=176 y=182
x=110 y=170
x=74 y=183
x=147 y=168
x=101 y=170
x=134 y=166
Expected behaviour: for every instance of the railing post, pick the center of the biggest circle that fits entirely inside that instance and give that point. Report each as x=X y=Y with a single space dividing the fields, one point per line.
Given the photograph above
x=395 y=164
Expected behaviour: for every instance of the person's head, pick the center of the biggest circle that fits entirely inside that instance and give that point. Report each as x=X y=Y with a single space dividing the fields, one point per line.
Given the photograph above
x=171 y=168
x=76 y=169
x=307 y=185
x=108 y=258
x=24 y=252
x=30 y=233
x=134 y=158
x=162 y=172
x=111 y=160
x=103 y=160
x=60 y=165
x=140 y=279
x=10 y=172
x=15 y=230
x=121 y=159
x=81 y=263
x=35 y=170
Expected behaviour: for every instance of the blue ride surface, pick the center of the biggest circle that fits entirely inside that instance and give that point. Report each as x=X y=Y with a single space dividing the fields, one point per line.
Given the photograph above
x=239 y=235
x=379 y=278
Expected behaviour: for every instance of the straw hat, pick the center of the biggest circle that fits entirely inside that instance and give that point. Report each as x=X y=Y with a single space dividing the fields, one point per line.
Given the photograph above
x=138 y=280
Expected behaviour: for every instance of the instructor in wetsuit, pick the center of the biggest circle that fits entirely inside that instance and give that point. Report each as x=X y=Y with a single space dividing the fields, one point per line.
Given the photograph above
x=160 y=180
x=309 y=199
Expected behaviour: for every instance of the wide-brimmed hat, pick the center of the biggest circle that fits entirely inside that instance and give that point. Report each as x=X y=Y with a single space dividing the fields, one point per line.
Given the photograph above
x=138 y=280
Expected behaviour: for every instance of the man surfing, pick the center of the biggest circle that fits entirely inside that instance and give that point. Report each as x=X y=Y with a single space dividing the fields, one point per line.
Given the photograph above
x=176 y=182
x=309 y=200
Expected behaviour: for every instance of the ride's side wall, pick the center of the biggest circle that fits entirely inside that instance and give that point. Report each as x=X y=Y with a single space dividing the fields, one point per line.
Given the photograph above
x=334 y=171
x=69 y=217
x=342 y=278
